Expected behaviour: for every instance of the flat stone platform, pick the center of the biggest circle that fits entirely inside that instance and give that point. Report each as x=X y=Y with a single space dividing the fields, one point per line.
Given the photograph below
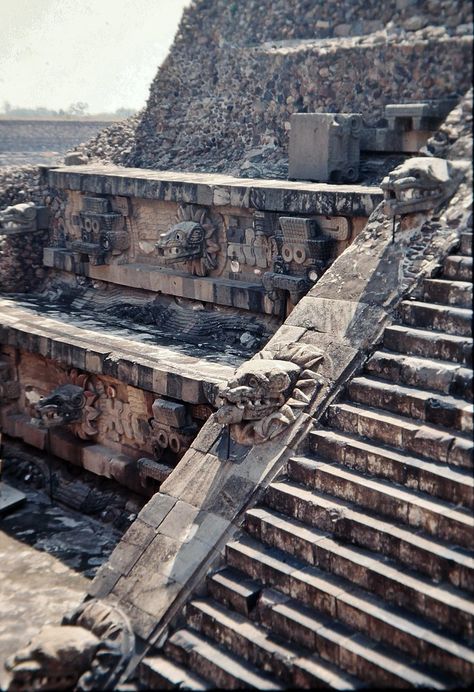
x=217 y=190
x=178 y=371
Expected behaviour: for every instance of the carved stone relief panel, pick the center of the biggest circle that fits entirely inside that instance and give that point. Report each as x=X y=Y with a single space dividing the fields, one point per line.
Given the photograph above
x=91 y=407
x=194 y=242
x=101 y=409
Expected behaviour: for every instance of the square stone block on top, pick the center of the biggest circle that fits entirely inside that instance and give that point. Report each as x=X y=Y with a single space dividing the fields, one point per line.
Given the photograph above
x=325 y=147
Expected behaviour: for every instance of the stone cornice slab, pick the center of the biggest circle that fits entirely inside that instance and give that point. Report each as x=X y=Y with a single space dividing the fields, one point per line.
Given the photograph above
x=212 y=189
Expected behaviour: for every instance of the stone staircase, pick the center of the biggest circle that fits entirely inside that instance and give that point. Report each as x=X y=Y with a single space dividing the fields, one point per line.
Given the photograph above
x=357 y=568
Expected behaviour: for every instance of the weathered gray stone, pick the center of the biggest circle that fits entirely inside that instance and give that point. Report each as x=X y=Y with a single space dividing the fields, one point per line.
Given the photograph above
x=324 y=147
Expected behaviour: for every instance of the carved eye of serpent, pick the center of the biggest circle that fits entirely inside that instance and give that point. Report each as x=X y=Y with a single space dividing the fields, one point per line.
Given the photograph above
x=253 y=382
x=78 y=400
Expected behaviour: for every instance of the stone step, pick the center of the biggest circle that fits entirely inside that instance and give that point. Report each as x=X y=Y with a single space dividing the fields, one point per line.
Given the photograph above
x=209 y=661
x=336 y=598
x=291 y=665
x=437 y=479
x=446 y=292
x=421 y=405
x=458 y=267
x=375 y=664
x=440 y=318
x=159 y=673
x=465 y=247
x=235 y=590
x=427 y=441
x=351 y=524
x=422 y=342
x=434 y=517
x=441 y=376
x=444 y=605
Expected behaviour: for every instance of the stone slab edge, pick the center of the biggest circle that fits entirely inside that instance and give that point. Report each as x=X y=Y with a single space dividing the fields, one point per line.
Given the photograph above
x=219 y=190
x=182 y=530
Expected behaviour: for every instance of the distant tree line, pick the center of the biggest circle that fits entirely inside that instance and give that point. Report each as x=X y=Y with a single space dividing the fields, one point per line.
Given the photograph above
x=77 y=110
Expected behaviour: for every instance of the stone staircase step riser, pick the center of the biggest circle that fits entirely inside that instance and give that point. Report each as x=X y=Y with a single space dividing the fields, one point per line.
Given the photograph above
x=382 y=465
x=230 y=639
x=407 y=436
x=427 y=344
x=333 y=559
x=287 y=666
x=156 y=677
x=203 y=666
x=361 y=532
x=386 y=505
x=332 y=649
x=465 y=247
x=432 y=411
x=458 y=267
x=429 y=375
x=223 y=592
x=346 y=611
x=437 y=318
x=457 y=294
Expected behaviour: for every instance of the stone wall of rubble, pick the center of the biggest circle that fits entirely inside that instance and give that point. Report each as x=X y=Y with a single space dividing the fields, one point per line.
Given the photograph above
x=20 y=184
x=223 y=98
x=21 y=261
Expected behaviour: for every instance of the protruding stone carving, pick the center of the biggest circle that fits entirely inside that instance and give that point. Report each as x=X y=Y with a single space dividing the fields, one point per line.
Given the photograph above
x=303 y=252
x=74 y=403
x=64 y=405
x=419 y=184
x=54 y=659
x=172 y=427
x=191 y=241
x=88 y=651
x=103 y=233
x=269 y=392
x=20 y=217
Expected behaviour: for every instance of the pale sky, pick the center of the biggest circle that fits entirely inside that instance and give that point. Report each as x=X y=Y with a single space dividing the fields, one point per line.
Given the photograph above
x=104 y=52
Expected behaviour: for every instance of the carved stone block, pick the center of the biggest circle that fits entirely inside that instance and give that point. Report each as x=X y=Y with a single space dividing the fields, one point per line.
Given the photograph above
x=325 y=147
x=169 y=412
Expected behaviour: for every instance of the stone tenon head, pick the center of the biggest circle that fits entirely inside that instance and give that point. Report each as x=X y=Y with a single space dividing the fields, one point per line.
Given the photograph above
x=184 y=241
x=64 y=405
x=419 y=184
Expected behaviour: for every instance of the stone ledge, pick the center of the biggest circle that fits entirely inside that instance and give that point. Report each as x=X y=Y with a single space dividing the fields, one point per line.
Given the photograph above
x=237 y=294
x=219 y=190
x=138 y=364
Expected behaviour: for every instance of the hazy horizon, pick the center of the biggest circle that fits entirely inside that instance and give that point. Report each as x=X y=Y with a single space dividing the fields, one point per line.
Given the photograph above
x=104 y=53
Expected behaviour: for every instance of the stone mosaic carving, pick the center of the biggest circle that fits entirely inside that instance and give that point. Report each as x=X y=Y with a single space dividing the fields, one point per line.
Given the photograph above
x=252 y=248
x=64 y=405
x=269 y=392
x=171 y=427
x=19 y=217
x=74 y=403
x=303 y=252
x=88 y=651
x=419 y=184
x=192 y=241
x=103 y=233
x=90 y=407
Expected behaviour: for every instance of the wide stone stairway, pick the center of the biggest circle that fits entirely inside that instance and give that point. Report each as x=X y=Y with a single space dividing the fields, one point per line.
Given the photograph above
x=360 y=561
